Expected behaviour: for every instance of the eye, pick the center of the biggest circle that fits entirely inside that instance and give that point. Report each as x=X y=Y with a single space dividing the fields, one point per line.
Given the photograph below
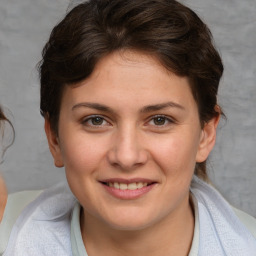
x=160 y=121
x=95 y=121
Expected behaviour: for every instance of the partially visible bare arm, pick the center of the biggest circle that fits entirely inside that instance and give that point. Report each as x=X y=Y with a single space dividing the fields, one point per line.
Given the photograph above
x=3 y=197
x=3 y=191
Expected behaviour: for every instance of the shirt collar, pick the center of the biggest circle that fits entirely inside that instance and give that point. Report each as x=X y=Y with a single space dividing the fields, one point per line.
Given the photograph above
x=78 y=247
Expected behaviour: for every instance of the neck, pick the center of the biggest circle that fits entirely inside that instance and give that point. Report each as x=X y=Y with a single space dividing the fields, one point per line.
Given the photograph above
x=172 y=236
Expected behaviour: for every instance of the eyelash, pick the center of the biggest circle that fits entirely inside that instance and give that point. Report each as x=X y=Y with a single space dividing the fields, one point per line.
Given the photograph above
x=88 y=121
x=91 y=118
x=165 y=119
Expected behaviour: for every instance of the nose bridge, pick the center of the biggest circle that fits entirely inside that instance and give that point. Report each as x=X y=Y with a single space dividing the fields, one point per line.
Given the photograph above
x=127 y=150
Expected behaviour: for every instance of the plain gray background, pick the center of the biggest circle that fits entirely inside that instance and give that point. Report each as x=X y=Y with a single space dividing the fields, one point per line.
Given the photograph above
x=24 y=28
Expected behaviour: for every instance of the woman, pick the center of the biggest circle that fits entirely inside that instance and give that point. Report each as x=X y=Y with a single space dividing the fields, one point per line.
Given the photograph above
x=129 y=96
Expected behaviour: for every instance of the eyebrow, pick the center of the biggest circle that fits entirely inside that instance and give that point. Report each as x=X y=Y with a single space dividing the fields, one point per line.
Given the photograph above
x=146 y=109
x=161 y=106
x=96 y=106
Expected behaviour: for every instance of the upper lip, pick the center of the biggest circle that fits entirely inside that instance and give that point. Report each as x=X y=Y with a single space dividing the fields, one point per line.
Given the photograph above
x=127 y=181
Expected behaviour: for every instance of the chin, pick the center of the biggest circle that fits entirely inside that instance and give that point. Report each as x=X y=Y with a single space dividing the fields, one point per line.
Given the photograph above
x=129 y=226
x=130 y=223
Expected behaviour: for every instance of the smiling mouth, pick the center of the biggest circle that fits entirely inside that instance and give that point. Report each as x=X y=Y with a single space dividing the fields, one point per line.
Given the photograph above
x=128 y=189
x=125 y=186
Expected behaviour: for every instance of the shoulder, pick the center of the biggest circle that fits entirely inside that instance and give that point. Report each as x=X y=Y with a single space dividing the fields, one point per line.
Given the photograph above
x=16 y=202
x=221 y=214
x=35 y=219
x=248 y=221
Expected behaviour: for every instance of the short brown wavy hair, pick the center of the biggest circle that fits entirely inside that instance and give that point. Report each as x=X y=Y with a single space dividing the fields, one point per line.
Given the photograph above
x=166 y=29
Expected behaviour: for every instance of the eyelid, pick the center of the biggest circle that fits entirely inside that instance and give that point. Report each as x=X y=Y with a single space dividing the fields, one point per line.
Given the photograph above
x=90 y=117
x=168 y=118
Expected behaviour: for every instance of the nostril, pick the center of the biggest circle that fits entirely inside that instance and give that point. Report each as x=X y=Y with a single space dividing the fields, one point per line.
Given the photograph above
x=127 y=154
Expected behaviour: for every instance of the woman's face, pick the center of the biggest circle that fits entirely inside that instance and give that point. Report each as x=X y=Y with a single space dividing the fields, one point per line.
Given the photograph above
x=129 y=138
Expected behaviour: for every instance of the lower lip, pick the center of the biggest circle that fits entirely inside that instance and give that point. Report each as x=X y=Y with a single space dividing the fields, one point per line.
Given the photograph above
x=128 y=194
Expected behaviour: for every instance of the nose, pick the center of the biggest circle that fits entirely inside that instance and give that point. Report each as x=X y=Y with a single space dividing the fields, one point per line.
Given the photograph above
x=127 y=150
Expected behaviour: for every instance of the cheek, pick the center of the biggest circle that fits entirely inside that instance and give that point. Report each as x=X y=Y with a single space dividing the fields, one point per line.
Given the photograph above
x=176 y=154
x=82 y=161
x=82 y=154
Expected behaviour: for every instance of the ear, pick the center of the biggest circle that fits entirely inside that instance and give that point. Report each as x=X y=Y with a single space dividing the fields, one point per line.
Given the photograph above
x=53 y=142
x=208 y=138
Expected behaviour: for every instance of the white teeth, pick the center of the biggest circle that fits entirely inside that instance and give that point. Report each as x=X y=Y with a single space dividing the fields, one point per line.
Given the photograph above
x=139 y=185
x=123 y=186
x=116 y=185
x=130 y=186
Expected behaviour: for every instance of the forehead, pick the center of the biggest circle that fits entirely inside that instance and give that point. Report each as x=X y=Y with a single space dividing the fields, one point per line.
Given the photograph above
x=130 y=76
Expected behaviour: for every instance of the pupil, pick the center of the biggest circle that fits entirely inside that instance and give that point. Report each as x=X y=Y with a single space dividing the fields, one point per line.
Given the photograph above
x=97 y=121
x=159 y=120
